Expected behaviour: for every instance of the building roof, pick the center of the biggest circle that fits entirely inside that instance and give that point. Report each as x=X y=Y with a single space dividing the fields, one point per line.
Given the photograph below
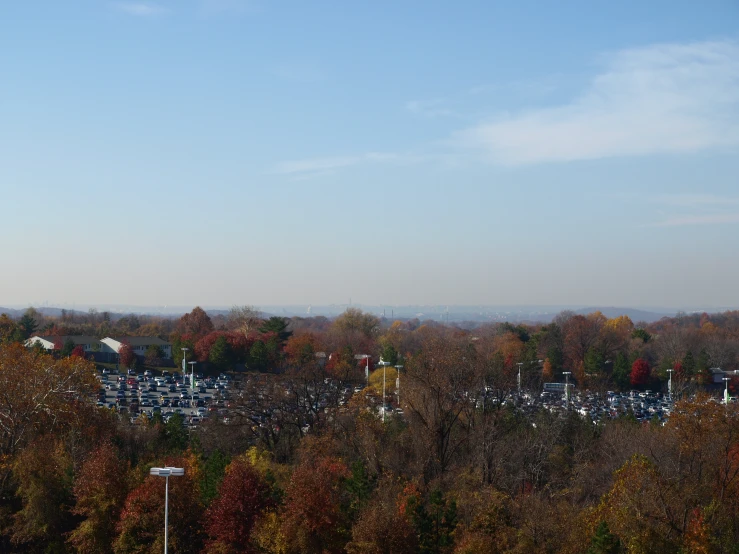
x=76 y=339
x=142 y=341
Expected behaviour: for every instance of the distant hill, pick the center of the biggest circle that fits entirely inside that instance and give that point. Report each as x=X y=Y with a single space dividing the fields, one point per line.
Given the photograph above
x=634 y=314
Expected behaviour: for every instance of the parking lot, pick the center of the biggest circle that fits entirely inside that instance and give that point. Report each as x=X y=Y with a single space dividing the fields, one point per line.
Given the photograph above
x=167 y=393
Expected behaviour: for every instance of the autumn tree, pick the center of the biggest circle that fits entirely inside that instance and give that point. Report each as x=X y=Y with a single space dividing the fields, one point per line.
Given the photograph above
x=43 y=475
x=301 y=349
x=126 y=355
x=639 y=373
x=9 y=331
x=434 y=391
x=242 y=498
x=244 y=318
x=197 y=323
x=78 y=351
x=142 y=517
x=100 y=489
x=313 y=519
x=40 y=395
x=153 y=354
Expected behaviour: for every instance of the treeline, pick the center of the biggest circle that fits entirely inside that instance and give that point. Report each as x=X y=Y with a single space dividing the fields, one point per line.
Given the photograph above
x=300 y=469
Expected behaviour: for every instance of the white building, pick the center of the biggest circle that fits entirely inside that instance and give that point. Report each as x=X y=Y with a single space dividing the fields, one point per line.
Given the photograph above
x=89 y=343
x=138 y=344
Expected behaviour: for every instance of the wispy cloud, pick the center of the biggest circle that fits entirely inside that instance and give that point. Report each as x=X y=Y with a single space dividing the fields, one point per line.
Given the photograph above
x=140 y=9
x=678 y=210
x=429 y=108
x=704 y=219
x=322 y=166
x=696 y=200
x=228 y=6
x=669 y=98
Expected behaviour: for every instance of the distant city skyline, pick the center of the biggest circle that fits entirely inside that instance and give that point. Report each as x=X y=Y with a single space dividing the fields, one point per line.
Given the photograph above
x=202 y=152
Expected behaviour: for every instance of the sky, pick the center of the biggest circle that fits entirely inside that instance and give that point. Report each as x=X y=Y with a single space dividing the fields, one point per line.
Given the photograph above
x=224 y=152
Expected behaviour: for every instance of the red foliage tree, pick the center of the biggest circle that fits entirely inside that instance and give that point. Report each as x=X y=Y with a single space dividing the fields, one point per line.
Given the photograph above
x=639 y=373
x=196 y=323
x=78 y=351
x=125 y=354
x=313 y=517
x=142 y=517
x=100 y=490
x=301 y=349
x=242 y=498
x=238 y=343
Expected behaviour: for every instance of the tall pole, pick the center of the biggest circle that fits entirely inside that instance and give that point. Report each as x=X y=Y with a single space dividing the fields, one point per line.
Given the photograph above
x=567 y=388
x=726 y=391
x=669 y=384
x=184 y=361
x=166 y=512
x=397 y=383
x=519 y=364
x=384 y=374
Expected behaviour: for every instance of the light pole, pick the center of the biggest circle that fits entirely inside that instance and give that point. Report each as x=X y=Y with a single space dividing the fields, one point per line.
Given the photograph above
x=726 y=390
x=567 y=387
x=397 y=382
x=184 y=360
x=166 y=472
x=192 y=374
x=669 y=384
x=519 y=364
x=384 y=365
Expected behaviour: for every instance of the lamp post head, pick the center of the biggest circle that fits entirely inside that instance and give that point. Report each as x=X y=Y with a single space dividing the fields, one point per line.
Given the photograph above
x=167 y=471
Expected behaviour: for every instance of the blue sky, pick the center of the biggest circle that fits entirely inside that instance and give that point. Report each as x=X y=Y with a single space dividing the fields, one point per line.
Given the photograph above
x=223 y=152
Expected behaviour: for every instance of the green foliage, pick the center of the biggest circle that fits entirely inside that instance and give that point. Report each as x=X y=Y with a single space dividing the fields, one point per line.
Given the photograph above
x=277 y=325
x=434 y=522
x=214 y=469
x=621 y=371
x=556 y=358
x=220 y=354
x=174 y=434
x=689 y=365
x=389 y=354
x=594 y=361
x=359 y=487
x=67 y=348
x=258 y=356
x=521 y=331
x=604 y=542
x=641 y=334
x=154 y=351
x=27 y=325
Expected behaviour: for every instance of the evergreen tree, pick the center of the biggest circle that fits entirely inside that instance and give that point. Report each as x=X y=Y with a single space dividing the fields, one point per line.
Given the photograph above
x=220 y=354
x=604 y=542
x=258 y=356
x=67 y=348
x=27 y=325
x=621 y=370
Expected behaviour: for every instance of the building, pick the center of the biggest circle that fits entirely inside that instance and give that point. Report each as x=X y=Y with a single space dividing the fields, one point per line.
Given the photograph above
x=138 y=344
x=89 y=343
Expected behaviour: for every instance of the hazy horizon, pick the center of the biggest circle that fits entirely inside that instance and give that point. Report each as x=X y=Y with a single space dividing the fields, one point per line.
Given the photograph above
x=244 y=152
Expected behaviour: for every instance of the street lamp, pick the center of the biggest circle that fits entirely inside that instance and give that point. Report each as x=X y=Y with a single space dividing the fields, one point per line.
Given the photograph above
x=567 y=387
x=192 y=374
x=384 y=365
x=166 y=472
x=726 y=390
x=184 y=359
x=519 y=364
x=397 y=382
x=669 y=384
